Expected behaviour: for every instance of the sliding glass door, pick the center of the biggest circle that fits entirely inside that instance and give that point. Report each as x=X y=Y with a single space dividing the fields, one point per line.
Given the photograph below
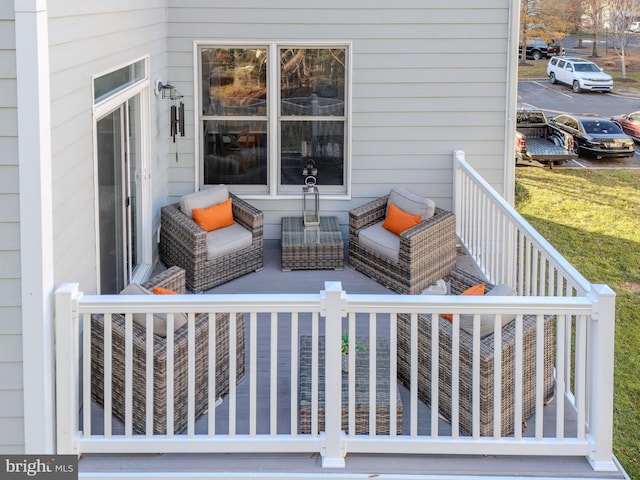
x=118 y=148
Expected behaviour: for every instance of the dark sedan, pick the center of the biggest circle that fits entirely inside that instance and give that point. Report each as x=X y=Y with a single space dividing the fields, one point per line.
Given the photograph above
x=595 y=136
x=629 y=123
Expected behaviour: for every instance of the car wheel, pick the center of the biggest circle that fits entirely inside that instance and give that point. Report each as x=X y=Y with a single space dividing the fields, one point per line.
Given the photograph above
x=536 y=55
x=552 y=78
x=576 y=86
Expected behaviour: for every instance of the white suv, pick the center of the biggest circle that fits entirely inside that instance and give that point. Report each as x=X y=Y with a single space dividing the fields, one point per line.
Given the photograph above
x=580 y=74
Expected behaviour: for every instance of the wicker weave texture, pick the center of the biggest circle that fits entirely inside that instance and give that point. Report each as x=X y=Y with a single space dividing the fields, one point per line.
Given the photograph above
x=316 y=248
x=460 y=281
x=361 y=408
x=174 y=282
x=427 y=251
x=183 y=243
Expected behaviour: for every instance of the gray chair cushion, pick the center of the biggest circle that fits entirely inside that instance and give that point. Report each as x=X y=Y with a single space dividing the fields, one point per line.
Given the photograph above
x=486 y=320
x=159 y=320
x=223 y=241
x=412 y=203
x=380 y=240
x=203 y=199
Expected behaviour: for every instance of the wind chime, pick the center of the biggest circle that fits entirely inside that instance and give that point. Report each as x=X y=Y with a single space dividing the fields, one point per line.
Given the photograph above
x=176 y=119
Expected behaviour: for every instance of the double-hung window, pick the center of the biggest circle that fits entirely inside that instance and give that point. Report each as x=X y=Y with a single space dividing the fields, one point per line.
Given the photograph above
x=273 y=114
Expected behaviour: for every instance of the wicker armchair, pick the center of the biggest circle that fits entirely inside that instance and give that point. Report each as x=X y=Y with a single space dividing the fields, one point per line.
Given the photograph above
x=427 y=251
x=460 y=281
x=173 y=279
x=184 y=243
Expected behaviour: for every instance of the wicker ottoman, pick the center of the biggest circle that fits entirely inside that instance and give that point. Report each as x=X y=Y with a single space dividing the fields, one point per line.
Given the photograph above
x=460 y=281
x=362 y=389
x=312 y=248
x=174 y=280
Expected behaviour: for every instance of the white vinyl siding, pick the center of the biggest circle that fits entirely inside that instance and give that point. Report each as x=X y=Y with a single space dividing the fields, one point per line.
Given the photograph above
x=11 y=387
x=427 y=78
x=87 y=39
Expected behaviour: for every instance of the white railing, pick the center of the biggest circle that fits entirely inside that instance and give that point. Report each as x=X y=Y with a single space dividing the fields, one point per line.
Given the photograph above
x=263 y=411
x=283 y=371
x=506 y=248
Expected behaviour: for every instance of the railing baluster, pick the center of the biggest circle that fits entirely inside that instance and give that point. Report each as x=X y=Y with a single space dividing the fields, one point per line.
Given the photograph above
x=108 y=372
x=212 y=366
x=170 y=375
x=540 y=346
x=580 y=373
x=351 y=375
x=253 y=369
x=191 y=374
x=497 y=377
x=314 y=374
x=128 y=375
x=233 y=369
x=86 y=374
x=518 y=393
x=149 y=377
x=373 y=361
x=293 y=404
x=393 y=374
x=435 y=373
x=414 y=375
x=561 y=355
x=455 y=376
x=273 y=376
x=475 y=378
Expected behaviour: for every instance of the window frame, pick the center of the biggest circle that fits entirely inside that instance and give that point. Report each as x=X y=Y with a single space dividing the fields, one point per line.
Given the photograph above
x=273 y=187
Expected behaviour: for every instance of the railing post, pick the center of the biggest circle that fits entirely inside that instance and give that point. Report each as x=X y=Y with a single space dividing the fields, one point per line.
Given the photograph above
x=601 y=367
x=67 y=367
x=458 y=155
x=333 y=308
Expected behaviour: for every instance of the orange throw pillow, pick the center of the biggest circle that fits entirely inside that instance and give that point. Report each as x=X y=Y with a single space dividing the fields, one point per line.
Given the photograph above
x=163 y=291
x=475 y=290
x=398 y=220
x=215 y=216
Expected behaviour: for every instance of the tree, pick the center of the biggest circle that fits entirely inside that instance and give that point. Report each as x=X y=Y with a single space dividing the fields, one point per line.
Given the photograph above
x=622 y=13
x=595 y=11
x=547 y=19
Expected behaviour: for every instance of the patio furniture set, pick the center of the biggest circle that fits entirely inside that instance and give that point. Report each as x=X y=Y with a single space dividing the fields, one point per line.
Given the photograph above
x=400 y=240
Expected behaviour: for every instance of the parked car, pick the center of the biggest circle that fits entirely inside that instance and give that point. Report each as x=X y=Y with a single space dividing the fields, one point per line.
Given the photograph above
x=580 y=74
x=629 y=123
x=634 y=27
x=538 y=48
x=596 y=136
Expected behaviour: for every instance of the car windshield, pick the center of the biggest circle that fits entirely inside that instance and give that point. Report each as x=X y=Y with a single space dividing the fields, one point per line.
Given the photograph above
x=600 y=126
x=586 y=67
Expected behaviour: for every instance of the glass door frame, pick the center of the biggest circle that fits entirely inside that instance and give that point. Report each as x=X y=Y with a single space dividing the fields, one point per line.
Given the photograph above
x=120 y=99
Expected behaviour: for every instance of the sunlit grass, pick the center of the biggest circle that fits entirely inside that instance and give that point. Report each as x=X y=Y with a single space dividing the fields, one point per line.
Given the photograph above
x=592 y=217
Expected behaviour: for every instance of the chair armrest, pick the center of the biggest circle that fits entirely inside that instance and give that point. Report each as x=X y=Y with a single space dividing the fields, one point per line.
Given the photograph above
x=182 y=229
x=368 y=214
x=246 y=214
x=172 y=278
x=460 y=280
x=418 y=243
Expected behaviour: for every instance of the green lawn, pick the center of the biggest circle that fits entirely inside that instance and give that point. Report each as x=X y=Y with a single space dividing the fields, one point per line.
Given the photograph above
x=593 y=218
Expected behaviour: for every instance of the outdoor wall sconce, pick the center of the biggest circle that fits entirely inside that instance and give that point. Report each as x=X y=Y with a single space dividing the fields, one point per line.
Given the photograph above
x=176 y=122
x=310 y=203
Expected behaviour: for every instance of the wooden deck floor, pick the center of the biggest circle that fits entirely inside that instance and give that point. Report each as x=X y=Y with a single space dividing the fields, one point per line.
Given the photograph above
x=272 y=280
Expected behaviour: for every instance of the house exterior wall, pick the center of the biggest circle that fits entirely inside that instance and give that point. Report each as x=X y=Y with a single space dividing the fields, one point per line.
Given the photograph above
x=87 y=39
x=11 y=384
x=84 y=39
x=427 y=78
